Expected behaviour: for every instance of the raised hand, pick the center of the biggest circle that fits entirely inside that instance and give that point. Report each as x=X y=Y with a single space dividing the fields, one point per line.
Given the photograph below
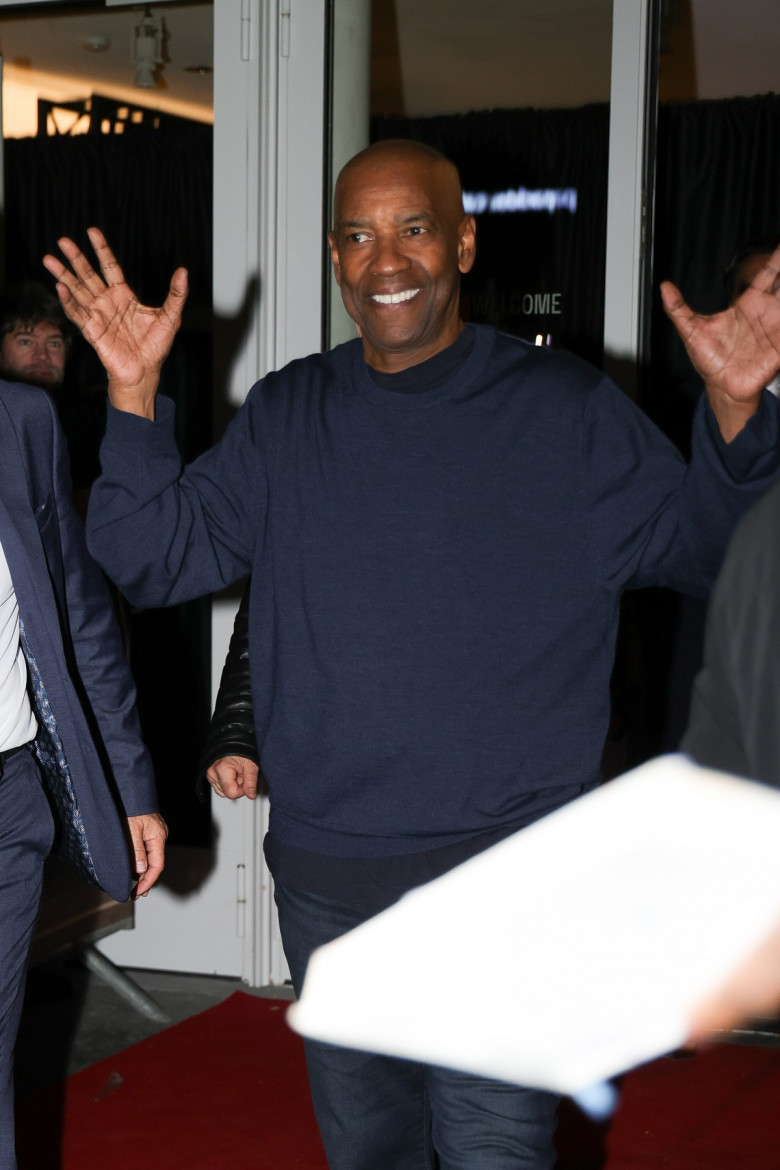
x=132 y=340
x=736 y=352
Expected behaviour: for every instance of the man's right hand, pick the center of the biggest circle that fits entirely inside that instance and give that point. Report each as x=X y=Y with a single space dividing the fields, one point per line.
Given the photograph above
x=752 y=991
x=234 y=776
x=132 y=340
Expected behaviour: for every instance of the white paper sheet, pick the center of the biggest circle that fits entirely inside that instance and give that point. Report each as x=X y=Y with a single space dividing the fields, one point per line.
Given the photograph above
x=601 y=926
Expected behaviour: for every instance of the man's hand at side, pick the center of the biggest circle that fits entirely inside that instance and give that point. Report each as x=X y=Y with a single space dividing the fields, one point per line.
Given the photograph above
x=736 y=352
x=234 y=776
x=132 y=340
x=147 y=833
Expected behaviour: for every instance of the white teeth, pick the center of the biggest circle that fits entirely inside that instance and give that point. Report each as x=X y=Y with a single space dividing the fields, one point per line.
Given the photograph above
x=395 y=298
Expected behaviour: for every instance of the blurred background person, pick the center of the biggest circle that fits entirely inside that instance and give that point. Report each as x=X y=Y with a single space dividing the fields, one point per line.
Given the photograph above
x=35 y=338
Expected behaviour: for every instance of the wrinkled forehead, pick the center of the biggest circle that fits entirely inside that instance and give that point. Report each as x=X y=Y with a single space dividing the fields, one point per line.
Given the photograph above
x=372 y=186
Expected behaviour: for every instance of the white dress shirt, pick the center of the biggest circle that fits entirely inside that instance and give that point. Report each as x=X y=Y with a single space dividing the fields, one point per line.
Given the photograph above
x=18 y=724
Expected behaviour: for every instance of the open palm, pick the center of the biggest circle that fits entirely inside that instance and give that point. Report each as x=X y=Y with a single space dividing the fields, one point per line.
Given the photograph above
x=132 y=340
x=736 y=351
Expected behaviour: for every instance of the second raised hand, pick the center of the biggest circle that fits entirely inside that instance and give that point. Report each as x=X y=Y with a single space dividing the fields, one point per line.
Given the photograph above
x=132 y=340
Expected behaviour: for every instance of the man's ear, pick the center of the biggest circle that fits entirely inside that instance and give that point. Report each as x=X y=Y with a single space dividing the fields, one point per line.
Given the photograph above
x=334 y=256
x=467 y=243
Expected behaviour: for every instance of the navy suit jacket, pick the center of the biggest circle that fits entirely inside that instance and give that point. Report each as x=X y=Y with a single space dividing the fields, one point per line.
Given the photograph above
x=70 y=628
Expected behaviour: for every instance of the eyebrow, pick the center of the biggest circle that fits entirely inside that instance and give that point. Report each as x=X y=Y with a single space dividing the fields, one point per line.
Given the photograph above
x=415 y=217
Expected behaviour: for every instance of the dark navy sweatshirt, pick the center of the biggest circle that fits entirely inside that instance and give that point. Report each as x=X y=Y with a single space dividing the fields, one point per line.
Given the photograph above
x=435 y=575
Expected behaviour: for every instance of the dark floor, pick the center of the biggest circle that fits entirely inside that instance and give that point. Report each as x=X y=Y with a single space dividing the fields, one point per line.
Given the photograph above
x=73 y=1018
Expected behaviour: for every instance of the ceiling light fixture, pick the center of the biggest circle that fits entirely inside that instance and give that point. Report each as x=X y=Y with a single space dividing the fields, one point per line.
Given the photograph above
x=146 y=53
x=96 y=43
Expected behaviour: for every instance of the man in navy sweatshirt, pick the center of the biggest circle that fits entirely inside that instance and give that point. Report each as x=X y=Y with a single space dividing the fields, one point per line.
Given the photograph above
x=439 y=521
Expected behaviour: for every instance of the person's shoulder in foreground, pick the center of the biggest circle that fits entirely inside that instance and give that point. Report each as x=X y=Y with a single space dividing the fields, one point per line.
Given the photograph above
x=734 y=723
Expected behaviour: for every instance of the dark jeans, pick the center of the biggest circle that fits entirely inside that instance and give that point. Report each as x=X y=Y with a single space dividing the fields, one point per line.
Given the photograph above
x=381 y=1113
x=26 y=832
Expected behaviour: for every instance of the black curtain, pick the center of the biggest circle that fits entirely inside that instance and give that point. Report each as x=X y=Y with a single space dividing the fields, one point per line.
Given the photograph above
x=718 y=184
x=524 y=254
x=151 y=193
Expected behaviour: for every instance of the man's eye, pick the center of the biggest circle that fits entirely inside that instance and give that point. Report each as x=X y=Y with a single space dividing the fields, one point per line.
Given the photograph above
x=417 y=230
x=56 y=345
x=358 y=237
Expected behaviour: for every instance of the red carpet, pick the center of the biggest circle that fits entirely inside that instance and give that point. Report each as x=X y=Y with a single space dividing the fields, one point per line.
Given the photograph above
x=716 y=1110
x=226 y=1090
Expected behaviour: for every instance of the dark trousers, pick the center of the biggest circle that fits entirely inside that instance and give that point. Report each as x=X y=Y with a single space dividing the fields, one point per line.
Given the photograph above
x=381 y=1113
x=26 y=833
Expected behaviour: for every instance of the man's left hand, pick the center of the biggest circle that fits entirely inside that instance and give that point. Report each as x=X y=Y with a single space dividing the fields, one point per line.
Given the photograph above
x=147 y=833
x=736 y=352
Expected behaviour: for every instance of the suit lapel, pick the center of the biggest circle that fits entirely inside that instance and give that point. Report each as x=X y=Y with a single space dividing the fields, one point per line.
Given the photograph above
x=22 y=541
x=40 y=635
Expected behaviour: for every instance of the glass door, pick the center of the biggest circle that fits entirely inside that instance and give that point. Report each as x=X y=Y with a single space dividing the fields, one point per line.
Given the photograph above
x=521 y=97
x=718 y=176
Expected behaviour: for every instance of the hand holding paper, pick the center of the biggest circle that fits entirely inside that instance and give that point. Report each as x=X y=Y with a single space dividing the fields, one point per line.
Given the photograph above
x=599 y=932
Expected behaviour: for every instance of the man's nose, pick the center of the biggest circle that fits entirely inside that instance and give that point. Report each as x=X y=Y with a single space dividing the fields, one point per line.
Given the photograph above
x=389 y=256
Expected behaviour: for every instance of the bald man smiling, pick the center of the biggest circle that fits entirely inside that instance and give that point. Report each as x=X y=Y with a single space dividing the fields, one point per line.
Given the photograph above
x=439 y=521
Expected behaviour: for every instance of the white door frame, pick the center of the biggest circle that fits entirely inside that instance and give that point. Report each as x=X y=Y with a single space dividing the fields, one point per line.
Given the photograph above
x=628 y=226
x=269 y=74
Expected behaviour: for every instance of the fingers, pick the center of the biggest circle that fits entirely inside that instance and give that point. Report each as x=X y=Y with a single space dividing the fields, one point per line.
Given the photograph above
x=753 y=990
x=77 y=289
x=767 y=279
x=250 y=777
x=85 y=274
x=72 y=309
x=223 y=778
x=155 y=863
x=109 y=265
x=79 y=285
x=233 y=777
x=65 y=279
x=173 y=306
x=681 y=315
x=148 y=834
x=672 y=298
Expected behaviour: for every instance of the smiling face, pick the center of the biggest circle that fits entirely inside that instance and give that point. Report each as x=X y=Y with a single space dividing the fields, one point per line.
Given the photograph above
x=34 y=354
x=399 y=243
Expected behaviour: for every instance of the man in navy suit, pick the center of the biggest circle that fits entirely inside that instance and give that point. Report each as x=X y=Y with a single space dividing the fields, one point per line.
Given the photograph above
x=72 y=763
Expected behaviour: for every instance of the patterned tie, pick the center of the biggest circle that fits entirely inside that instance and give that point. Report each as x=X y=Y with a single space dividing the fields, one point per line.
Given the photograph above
x=73 y=846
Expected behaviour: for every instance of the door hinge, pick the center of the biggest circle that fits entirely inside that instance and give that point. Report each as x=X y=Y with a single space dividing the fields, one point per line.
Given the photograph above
x=246 y=28
x=240 y=901
x=284 y=28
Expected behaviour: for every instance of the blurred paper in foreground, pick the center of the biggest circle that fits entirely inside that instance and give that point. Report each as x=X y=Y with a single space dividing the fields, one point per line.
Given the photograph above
x=591 y=935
